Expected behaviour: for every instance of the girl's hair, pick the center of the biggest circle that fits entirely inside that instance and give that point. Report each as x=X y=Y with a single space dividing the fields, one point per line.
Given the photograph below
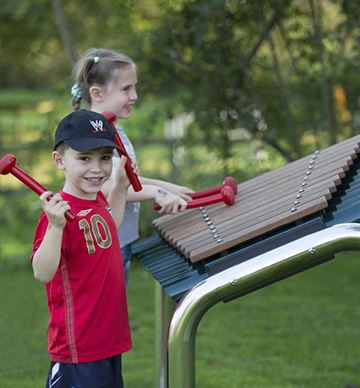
x=96 y=66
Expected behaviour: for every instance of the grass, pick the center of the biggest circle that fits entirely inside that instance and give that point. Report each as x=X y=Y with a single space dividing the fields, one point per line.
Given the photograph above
x=300 y=332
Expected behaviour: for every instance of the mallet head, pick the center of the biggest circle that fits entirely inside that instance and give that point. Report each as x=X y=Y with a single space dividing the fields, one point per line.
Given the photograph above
x=230 y=181
x=7 y=163
x=228 y=195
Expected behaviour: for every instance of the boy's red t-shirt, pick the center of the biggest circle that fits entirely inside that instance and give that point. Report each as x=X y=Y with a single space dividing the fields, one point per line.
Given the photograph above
x=87 y=296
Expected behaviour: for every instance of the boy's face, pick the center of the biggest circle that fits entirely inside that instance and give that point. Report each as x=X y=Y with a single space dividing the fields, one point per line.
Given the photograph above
x=120 y=95
x=85 y=172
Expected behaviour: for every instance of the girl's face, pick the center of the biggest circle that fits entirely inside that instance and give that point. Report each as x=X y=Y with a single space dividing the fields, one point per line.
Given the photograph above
x=120 y=95
x=85 y=172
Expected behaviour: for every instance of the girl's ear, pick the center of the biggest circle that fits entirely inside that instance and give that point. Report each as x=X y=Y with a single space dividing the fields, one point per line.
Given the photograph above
x=96 y=93
x=58 y=160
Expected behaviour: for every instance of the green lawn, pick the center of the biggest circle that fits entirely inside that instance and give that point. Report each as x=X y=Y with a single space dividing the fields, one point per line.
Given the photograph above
x=300 y=332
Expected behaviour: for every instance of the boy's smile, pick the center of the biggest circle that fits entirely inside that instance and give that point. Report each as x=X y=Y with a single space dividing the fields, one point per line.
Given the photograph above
x=85 y=172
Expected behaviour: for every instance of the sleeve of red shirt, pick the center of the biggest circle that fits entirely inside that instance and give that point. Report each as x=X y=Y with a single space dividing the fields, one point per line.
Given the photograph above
x=39 y=233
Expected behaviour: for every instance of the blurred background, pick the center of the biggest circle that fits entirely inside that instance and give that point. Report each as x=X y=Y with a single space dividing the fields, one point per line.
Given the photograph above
x=225 y=87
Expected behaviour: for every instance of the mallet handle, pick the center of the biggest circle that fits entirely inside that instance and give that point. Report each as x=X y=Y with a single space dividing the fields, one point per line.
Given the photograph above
x=133 y=178
x=28 y=180
x=36 y=187
x=226 y=195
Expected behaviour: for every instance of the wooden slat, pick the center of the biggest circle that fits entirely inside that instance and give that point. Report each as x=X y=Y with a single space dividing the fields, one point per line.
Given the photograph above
x=227 y=228
x=258 y=230
x=257 y=201
x=263 y=204
x=274 y=178
x=343 y=148
x=246 y=214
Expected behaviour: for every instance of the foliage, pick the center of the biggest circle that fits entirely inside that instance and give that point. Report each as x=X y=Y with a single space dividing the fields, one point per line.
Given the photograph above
x=264 y=82
x=271 y=67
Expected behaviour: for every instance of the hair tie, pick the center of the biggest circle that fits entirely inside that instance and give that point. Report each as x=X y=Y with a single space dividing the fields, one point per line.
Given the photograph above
x=96 y=59
x=76 y=91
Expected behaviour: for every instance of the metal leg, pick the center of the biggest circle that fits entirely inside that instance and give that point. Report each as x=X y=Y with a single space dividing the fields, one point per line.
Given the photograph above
x=164 y=308
x=243 y=279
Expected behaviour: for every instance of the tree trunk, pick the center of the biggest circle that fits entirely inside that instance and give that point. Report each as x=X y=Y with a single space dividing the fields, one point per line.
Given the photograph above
x=308 y=98
x=268 y=26
x=326 y=89
x=63 y=28
x=284 y=95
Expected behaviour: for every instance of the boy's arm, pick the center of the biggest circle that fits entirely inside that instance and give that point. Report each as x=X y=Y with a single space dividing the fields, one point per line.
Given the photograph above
x=118 y=193
x=47 y=257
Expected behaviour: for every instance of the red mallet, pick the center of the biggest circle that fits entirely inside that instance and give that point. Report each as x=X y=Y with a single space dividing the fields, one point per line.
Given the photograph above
x=226 y=195
x=133 y=178
x=228 y=181
x=8 y=165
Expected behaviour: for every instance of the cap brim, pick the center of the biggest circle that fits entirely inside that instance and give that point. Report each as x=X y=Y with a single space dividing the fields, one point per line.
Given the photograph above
x=88 y=144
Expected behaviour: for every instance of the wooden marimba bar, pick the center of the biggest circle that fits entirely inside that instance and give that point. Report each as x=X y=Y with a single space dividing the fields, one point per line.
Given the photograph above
x=262 y=205
x=282 y=222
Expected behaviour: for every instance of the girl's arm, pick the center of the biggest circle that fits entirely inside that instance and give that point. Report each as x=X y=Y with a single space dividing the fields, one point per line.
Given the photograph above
x=47 y=258
x=172 y=198
x=182 y=191
x=169 y=201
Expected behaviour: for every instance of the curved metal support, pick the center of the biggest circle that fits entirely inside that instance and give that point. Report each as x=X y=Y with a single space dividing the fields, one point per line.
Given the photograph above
x=164 y=308
x=242 y=279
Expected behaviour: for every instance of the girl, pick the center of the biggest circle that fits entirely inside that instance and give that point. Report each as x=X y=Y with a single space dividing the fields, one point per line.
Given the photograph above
x=107 y=81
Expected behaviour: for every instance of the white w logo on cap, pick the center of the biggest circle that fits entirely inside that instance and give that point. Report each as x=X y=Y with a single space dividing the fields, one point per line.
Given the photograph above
x=97 y=125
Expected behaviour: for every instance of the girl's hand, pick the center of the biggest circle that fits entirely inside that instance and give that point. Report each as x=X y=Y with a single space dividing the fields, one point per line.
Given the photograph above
x=170 y=203
x=54 y=208
x=182 y=192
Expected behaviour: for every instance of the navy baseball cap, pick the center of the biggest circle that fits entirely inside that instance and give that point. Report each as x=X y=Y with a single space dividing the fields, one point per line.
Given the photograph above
x=85 y=130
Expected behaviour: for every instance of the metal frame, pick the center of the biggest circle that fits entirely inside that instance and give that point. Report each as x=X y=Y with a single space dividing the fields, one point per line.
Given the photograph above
x=164 y=308
x=178 y=369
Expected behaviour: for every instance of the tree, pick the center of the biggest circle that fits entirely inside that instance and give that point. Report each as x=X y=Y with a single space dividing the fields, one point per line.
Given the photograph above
x=270 y=67
x=282 y=70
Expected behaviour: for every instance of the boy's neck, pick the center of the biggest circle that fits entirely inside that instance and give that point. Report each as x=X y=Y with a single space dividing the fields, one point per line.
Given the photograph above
x=79 y=194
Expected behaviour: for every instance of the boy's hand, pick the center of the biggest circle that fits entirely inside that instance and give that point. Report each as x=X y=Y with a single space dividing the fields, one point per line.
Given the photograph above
x=135 y=168
x=54 y=208
x=121 y=178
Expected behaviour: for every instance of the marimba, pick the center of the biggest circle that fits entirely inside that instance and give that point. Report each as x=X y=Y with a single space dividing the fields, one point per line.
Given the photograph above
x=283 y=222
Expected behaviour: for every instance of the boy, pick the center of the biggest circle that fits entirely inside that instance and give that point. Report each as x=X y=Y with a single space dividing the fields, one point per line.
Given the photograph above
x=79 y=261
